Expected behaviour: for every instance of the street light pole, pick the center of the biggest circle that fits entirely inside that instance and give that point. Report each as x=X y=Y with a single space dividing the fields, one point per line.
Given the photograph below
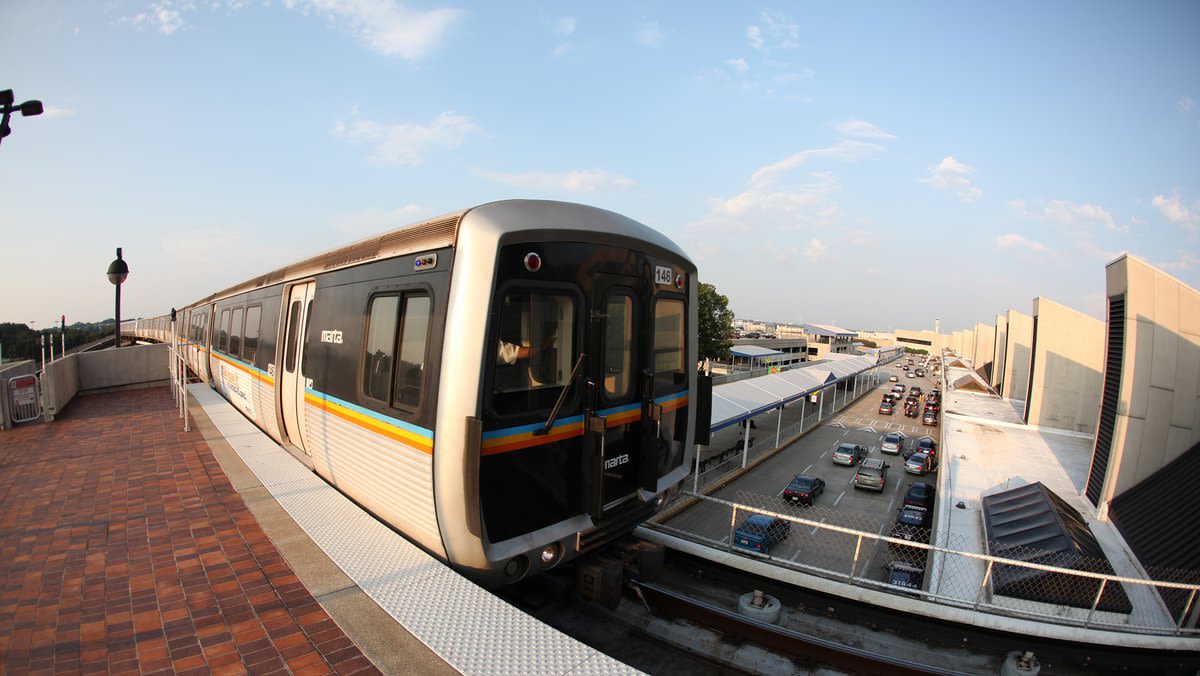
x=118 y=270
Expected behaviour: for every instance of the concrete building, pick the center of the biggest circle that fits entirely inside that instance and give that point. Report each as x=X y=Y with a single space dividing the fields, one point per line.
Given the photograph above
x=1150 y=413
x=922 y=340
x=1018 y=351
x=985 y=347
x=998 y=351
x=826 y=338
x=1065 y=373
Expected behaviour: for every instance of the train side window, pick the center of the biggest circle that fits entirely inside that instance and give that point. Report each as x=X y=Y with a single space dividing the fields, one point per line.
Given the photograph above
x=235 y=333
x=223 y=332
x=414 y=338
x=668 y=338
x=289 y=357
x=380 y=346
x=250 y=344
x=307 y=334
x=618 y=346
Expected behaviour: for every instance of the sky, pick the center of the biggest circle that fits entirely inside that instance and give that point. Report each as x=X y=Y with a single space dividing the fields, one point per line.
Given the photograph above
x=870 y=165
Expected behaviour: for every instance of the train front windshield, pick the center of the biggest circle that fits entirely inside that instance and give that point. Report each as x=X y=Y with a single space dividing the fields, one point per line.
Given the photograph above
x=587 y=399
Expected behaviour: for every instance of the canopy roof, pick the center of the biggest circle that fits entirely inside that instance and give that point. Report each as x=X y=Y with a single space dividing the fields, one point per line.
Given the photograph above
x=753 y=351
x=738 y=401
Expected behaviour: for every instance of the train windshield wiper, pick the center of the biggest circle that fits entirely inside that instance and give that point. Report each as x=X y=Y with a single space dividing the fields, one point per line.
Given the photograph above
x=561 y=397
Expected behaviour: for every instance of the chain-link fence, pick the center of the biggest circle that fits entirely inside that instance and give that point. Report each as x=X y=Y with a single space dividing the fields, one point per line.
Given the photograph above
x=1055 y=587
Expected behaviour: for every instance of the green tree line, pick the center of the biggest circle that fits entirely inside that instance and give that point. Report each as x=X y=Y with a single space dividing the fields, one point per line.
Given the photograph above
x=18 y=341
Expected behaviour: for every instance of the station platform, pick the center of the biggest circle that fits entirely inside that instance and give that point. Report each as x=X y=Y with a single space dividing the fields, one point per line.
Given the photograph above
x=129 y=545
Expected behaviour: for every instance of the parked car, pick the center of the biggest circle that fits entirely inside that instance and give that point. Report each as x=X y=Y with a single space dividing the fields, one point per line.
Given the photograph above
x=893 y=442
x=848 y=454
x=932 y=405
x=893 y=379
x=930 y=418
x=760 y=533
x=886 y=408
x=872 y=474
x=916 y=389
x=920 y=373
x=899 y=388
x=920 y=495
x=910 y=410
x=905 y=575
x=803 y=489
x=911 y=374
x=912 y=525
x=919 y=464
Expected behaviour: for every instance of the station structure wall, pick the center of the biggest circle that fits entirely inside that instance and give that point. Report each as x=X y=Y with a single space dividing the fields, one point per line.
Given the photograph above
x=998 y=354
x=1156 y=417
x=985 y=347
x=1018 y=350
x=1066 y=373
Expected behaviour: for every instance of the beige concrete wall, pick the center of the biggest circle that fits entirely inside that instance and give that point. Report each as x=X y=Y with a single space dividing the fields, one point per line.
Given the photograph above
x=100 y=370
x=1017 y=353
x=985 y=347
x=1158 y=411
x=936 y=341
x=1067 y=373
x=968 y=345
x=998 y=355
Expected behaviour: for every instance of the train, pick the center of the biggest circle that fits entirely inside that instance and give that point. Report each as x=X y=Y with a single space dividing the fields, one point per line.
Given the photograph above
x=509 y=386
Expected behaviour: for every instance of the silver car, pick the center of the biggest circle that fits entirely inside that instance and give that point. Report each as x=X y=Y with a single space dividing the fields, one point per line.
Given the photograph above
x=849 y=454
x=893 y=443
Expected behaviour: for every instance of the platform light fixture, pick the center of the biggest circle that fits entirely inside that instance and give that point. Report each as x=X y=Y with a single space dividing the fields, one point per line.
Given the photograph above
x=118 y=270
x=7 y=108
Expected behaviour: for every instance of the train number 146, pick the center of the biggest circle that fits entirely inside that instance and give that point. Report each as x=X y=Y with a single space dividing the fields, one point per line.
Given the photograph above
x=663 y=275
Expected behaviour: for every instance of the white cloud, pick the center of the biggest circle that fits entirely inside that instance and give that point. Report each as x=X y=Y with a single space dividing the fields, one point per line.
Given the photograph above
x=1186 y=261
x=649 y=34
x=1186 y=105
x=1069 y=213
x=562 y=26
x=816 y=251
x=845 y=151
x=404 y=143
x=1176 y=212
x=580 y=181
x=386 y=26
x=1013 y=240
x=57 y=111
x=162 y=16
x=863 y=129
x=951 y=175
x=739 y=65
x=773 y=32
x=376 y=221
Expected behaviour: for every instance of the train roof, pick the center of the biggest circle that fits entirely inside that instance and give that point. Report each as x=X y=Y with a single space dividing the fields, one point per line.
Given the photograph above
x=443 y=231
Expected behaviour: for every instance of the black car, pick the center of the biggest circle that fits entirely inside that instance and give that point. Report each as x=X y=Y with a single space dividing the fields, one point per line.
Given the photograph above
x=920 y=495
x=926 y=445
x=905 y=575
x=886 y=408
x=912 y=525
x=915 y=390
x=803 y=489
x=930 y=418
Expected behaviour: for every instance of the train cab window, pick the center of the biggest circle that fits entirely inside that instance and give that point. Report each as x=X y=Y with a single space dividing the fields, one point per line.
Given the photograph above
x=536 y=350
x=618 y=346
x=223 y=332
x=250 y=343
x=381 y=335
x=235 y=333
x=668 y=339
x=414 y=336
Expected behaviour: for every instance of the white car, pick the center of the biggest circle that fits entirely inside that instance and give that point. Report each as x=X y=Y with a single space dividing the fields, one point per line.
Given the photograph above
x=911 y=374
x=893 y=442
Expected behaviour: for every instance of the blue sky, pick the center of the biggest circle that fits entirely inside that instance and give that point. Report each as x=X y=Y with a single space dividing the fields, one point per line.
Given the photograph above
x=870 y=165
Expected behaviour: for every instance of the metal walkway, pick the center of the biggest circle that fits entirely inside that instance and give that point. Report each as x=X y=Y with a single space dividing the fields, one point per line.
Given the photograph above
x=473 y=630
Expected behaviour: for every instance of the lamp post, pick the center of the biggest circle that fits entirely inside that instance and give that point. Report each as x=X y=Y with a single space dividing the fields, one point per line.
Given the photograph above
x=117 y=272
x=7 y=108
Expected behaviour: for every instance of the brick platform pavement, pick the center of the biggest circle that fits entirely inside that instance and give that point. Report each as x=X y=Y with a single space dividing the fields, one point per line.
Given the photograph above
x=124 y=548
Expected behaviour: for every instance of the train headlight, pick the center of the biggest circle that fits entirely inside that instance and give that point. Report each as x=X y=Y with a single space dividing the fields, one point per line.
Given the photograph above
x=516 y=567
x=550 y=554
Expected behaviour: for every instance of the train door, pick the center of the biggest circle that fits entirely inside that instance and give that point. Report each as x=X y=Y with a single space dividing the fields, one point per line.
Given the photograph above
x=292 y=382
x=613 y=461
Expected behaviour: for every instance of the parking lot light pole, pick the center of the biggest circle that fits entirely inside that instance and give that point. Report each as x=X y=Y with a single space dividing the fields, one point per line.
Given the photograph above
x=118 y=270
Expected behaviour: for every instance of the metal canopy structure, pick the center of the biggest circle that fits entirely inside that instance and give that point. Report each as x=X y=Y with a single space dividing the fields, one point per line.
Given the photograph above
x=736 y=402
x=753 y=351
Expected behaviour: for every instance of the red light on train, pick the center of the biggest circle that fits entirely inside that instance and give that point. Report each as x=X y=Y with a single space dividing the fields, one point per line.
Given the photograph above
x=533 y=262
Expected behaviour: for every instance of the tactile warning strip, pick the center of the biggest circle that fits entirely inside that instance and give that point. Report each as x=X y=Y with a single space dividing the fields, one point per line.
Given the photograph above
x=474 y=631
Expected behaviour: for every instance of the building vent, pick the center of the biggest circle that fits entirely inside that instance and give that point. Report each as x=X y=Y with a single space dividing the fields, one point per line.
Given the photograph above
x=1108 y=404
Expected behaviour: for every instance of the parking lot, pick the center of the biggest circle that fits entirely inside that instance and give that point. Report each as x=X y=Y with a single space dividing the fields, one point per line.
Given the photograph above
x=840 y=504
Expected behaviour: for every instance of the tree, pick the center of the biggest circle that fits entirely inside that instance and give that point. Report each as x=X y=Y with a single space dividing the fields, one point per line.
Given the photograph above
x=716 y=323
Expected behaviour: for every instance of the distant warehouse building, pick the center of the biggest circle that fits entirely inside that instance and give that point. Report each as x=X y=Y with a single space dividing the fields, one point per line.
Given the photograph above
x=824 y=339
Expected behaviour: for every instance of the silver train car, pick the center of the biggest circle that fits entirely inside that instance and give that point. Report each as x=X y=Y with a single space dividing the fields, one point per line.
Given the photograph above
x=509 y=386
